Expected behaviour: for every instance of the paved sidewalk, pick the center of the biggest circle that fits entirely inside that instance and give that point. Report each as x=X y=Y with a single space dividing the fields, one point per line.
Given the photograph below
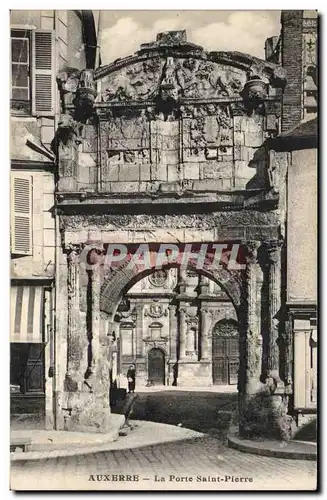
x=142 y=434
x=219 y=389
x=299 y=450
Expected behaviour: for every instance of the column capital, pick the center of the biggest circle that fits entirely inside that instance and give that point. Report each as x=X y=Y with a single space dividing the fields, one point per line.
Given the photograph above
x=251 y=251
x=72 y=251
x=271 y=251
x=207 y=311
x=192 y=321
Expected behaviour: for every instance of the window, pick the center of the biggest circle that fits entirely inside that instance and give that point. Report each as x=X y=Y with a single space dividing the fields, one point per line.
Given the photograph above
x=21 y=215
x=20 y=71
x=33 y=72
x=127 y=340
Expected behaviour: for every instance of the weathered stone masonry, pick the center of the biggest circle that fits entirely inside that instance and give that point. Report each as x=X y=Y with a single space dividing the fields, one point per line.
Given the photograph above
x=165 y=146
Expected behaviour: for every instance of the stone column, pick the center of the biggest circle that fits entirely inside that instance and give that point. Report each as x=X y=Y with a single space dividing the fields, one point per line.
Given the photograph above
x=73 y=314
x=273 y=270
x=139 y=331
x=251 y=340
x=205 y=317
x=263 y=406
x=94 y=276
x=172 y=332
x=182 y=333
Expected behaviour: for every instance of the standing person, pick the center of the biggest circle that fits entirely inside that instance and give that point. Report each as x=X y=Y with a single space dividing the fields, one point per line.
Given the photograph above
x=131 y=378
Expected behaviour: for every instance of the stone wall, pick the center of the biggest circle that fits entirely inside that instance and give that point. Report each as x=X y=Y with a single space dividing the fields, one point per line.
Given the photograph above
x=302 y=227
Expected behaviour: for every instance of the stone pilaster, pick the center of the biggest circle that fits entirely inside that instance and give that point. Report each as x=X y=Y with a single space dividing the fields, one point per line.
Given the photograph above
x=95 y=315
x=172 y=333
x=73 y=315
x=139 y=330
x=273 y=275
x=192 y=337
x=182 y=333
x=252 y=338
x=205 y=319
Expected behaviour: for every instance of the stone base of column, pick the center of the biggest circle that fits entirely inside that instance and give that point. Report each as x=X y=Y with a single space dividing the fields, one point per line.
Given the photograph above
x=264 y=415
x=194 y=373
x=85 y=412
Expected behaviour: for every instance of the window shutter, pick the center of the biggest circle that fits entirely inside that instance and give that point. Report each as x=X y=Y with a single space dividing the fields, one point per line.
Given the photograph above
x=43 y=73
x=21 y=215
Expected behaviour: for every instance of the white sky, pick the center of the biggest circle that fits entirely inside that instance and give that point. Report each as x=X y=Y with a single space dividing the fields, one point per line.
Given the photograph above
x=122 y=32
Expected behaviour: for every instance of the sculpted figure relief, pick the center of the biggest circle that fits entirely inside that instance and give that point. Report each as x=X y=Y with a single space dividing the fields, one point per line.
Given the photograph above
x=138 y=81
x=189 y=77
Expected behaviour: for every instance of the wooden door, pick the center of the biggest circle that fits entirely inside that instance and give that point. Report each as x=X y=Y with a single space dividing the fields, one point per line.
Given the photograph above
x=156 y=367
x=225 y=353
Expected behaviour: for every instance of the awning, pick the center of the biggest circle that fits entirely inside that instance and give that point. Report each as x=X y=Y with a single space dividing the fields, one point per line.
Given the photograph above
x=26 y=314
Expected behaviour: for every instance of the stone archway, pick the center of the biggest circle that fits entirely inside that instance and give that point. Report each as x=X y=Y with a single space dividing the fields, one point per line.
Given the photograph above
x=120 y=280
x=259 y=348
x=189 y=346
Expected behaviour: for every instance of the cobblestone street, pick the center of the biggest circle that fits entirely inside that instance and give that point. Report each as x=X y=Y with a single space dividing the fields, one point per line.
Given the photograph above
x=194 y=460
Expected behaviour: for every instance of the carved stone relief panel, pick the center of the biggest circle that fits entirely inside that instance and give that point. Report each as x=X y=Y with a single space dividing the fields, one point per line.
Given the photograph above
x=172 y=77
x=205 y=79
x=138 y=81
x=126 y=139
x=207 y=133
x=165 y=145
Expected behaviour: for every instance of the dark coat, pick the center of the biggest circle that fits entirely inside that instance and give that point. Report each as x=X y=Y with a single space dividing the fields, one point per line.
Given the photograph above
x=131 y=379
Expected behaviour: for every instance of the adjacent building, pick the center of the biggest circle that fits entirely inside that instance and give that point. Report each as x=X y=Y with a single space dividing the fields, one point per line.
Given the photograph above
x=43 y=43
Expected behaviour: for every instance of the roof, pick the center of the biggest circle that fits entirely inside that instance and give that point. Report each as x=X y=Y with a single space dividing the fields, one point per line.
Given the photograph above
x=303 y=129
x=303 y=136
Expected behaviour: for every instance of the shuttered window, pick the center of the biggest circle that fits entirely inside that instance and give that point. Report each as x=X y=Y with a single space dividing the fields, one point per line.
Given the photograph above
x=43 y=71
x=33 y=72
x=21 y=215
x=20 y=72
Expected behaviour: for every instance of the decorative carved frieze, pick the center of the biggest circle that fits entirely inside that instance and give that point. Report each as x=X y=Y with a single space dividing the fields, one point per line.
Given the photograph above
x=172 y=77
x=148 y=221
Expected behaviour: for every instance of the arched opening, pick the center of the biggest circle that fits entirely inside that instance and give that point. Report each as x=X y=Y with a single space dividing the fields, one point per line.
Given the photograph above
x=173 y=310
x=156 y=366
x=119 y=281
x=225 y=352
